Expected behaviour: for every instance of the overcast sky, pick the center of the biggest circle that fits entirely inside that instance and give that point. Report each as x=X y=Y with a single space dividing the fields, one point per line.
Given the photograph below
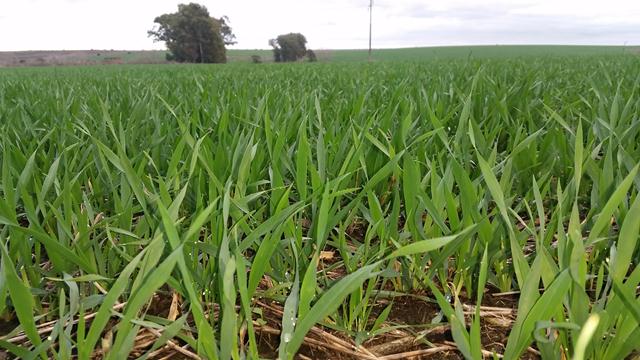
x=122 y=24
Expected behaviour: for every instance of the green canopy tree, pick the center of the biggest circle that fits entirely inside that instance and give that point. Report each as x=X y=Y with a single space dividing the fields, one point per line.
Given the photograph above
x=289 y=47
x=192 y=35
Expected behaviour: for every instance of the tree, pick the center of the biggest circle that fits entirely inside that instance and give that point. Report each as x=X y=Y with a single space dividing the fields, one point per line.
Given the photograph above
x=192 y=35
x=289 y=47
x=225 y=30
x=311 y=56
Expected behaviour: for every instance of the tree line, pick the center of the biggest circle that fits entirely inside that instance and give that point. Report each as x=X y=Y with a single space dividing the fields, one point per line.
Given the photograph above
x=192 y=35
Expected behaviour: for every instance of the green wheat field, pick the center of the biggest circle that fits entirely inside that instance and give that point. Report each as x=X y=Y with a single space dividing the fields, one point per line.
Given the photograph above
x=459 y=207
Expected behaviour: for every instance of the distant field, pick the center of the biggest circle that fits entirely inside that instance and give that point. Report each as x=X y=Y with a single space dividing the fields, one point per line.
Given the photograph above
x=444 y=52
x=492 y=51
x=80 y=57
x=98 y=57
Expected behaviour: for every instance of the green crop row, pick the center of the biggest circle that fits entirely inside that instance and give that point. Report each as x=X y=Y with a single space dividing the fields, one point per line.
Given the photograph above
x=225 y=186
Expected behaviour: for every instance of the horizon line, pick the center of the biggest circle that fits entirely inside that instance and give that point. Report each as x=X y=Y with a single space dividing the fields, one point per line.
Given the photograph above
x=342 y=49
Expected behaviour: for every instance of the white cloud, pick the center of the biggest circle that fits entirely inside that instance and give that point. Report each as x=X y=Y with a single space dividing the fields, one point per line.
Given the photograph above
x=122 y=24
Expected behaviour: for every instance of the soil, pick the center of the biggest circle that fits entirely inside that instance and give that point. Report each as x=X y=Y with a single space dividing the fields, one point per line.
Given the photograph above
x=7 y=325
x=413 y=315
x=415 y=312
x=79 y=57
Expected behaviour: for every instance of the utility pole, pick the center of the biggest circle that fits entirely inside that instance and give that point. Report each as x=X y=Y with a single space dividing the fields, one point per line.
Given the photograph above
x=370 y=25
